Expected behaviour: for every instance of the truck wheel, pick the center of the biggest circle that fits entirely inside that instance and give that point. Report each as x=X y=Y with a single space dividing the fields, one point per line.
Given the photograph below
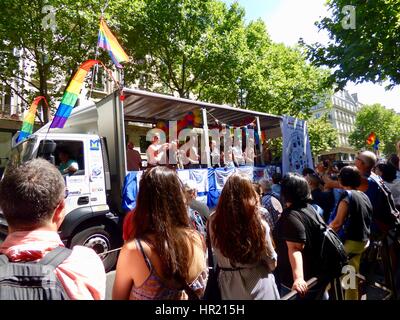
x=100 y=240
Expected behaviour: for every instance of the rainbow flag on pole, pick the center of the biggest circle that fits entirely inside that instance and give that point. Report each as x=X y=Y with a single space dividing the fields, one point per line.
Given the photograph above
x=29 y=120
x=371 y=138
x=71 y=94
x=107 y=41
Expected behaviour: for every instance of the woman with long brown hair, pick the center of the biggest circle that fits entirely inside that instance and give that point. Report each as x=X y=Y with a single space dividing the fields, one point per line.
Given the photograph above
x=242 y=244
x=165 y=258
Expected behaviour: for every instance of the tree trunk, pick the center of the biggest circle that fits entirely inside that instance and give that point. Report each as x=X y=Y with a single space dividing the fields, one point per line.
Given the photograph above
x=43 y=89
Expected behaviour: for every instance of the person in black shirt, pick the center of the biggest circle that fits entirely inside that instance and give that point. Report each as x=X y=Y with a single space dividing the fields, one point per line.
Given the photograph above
x=353 y=219
x=297 y=241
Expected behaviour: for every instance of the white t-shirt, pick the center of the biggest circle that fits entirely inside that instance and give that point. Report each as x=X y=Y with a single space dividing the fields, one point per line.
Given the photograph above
x=154 y=154
x=238 y=155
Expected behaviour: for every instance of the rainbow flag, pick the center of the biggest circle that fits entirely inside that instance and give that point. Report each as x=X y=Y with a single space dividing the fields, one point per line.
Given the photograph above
x=29 y=120
x=107 y=41
x=71 y=94
x=263 y=137
x=371 y=138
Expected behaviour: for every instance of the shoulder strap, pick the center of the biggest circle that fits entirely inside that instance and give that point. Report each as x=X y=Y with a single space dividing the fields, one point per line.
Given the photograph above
x=146 y=259
x=56 y=256
x=3 y=259
x=210 y=254
x=315 y=217
x=375 y=178
x=272 y=194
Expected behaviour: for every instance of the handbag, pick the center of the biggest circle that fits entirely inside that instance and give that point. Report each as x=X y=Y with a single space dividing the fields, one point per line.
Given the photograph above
x=212 y=291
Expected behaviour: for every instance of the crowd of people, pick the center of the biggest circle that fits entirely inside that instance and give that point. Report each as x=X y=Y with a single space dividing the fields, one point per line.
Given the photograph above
x=186 y=155
x=262 y=235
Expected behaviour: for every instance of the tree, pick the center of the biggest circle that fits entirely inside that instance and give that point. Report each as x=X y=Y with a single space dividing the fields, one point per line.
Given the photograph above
x=49 y=54
x=383 y=122
x=280 y=81
x=185 y=46
x=272 y=78
x=204 y=49
x=368 y=49
x=323 y=137
x=194 y=48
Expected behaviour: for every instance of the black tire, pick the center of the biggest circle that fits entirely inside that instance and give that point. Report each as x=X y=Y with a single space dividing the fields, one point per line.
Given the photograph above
x=100 y=240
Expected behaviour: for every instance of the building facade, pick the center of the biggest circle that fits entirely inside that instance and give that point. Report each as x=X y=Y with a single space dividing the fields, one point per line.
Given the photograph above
x=342 y=115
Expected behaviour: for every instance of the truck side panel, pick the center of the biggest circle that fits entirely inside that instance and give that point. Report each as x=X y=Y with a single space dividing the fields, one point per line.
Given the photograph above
x=111 y=126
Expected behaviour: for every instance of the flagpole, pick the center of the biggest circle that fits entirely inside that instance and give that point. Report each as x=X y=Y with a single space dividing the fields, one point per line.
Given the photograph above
x=96 y=68
x=122 y=81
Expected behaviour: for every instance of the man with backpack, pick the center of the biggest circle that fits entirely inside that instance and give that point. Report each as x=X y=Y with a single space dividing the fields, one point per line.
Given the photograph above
x=34 y=264
x=384 y=214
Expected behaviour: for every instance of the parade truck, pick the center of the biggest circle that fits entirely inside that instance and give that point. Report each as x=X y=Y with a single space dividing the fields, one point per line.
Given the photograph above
x=95 y=136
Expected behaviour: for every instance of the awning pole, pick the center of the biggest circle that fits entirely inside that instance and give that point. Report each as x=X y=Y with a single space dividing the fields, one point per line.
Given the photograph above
x=206 y=144
x=259 y=140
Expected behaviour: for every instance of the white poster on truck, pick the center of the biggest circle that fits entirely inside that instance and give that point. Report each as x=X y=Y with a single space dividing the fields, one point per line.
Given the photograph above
x=200 y=177
x=296 y=153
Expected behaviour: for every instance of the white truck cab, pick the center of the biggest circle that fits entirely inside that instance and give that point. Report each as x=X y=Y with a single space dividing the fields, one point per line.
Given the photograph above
x=91 y=220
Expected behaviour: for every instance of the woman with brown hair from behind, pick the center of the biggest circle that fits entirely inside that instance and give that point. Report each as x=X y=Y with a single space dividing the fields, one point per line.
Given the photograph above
x=165 y=257
x=242 y=244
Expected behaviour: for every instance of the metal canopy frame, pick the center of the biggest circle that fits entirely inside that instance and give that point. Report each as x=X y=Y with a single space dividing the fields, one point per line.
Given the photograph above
x=148 y=107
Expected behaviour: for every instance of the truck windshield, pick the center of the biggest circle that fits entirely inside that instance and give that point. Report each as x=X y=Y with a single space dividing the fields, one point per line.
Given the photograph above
x=23 y=152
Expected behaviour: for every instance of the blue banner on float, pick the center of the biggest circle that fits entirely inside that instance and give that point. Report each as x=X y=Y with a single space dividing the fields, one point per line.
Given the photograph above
x=209 y=182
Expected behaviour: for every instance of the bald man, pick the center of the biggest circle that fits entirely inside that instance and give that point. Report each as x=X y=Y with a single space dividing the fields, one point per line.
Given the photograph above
x=365 y=161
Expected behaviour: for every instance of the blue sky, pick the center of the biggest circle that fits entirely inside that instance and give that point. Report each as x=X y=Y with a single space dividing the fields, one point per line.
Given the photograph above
x=289 y=20
x=257 y=8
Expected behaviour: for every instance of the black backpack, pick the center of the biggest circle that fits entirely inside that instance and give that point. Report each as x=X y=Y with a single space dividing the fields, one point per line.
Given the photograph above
x=330 y=247
x=385 y=216
x=33 y=280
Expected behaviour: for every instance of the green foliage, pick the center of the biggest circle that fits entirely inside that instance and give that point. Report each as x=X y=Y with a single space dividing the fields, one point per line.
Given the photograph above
x=370 y=52
x=193 y=48
x=185 y=46
x=376 y=118
x=282 y=82
x=323 y=137
x=204 y=48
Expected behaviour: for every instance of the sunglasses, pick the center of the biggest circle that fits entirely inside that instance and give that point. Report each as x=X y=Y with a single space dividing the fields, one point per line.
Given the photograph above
x=66 y=193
